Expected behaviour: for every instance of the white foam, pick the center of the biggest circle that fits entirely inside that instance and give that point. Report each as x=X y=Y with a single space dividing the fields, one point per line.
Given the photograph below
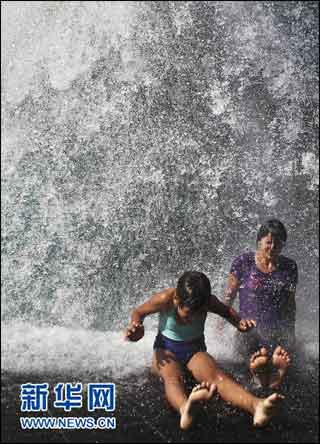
x=83 y=353
x=77 y=352
x=29 y=349
x=64 y=37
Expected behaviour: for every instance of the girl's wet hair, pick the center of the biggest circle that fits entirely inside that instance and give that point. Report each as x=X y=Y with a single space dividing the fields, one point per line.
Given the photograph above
x=275 y=228
x=193 y=290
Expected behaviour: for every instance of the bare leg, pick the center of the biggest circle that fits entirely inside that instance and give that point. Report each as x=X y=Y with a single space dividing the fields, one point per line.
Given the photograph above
x=281 y=362
x=204 y=368
x=260 y=367
x=165 y=365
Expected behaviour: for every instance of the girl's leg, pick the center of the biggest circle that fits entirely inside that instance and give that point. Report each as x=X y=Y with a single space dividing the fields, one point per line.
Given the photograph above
x=166 y=366
x=204 y=368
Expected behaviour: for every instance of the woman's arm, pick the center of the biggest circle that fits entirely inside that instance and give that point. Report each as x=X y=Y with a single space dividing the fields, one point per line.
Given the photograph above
x=230 y=294
x=289 y=310
x=157 y=302
x=231 y=290
x=290 y=316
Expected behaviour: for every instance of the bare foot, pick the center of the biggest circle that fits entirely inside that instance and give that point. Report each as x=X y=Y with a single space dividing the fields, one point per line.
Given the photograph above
x=259 y=366
x=266 y=409
x=201 y=392
x=281 y=362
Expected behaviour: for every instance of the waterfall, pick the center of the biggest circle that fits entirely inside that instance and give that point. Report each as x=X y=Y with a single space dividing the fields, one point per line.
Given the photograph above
x=140 y=140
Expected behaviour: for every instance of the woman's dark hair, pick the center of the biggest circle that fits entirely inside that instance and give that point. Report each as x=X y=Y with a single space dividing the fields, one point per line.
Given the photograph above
x=193 y=290
x=274 y=227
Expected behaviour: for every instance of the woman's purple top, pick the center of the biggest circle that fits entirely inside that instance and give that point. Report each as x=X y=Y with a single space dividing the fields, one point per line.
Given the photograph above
x=264 y=296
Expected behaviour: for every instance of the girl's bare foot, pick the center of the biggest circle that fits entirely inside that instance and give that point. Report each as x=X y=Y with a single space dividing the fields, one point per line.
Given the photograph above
x=266 y=409
x=281 y=362
x=260 y=366
x=201 y=392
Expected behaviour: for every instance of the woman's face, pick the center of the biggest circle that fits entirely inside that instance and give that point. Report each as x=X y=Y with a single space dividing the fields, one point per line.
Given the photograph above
x=270 y=246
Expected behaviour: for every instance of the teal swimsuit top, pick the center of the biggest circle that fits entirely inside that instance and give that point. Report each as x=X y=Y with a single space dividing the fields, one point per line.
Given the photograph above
x=170 y=328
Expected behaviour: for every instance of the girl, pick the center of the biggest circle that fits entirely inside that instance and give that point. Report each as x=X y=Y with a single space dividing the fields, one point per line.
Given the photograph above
x=180 y=343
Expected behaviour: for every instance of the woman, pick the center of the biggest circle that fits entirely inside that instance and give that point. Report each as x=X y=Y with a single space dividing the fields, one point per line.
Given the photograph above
x=180 y=344
x=266 y=283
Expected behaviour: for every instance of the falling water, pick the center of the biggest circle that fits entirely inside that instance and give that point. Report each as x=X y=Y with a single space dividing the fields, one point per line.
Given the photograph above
x=140 y=140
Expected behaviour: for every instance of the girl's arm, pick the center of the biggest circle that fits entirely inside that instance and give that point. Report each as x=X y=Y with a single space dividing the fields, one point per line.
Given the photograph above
x=228 y=313
x=157 y=302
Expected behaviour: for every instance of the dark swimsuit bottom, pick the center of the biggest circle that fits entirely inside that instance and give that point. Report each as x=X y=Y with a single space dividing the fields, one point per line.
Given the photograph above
x=183 y=350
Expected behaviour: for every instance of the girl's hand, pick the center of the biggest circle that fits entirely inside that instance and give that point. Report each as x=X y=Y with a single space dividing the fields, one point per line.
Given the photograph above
x=246 y=325
x=134 y=332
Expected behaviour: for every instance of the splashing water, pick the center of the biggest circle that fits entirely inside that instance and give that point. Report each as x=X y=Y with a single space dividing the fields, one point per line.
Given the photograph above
x=82 y=353
x=142 y=139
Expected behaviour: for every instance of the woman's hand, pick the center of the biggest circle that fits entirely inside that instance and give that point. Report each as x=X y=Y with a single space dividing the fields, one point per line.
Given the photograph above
x=134 y=332
x=246 y=325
